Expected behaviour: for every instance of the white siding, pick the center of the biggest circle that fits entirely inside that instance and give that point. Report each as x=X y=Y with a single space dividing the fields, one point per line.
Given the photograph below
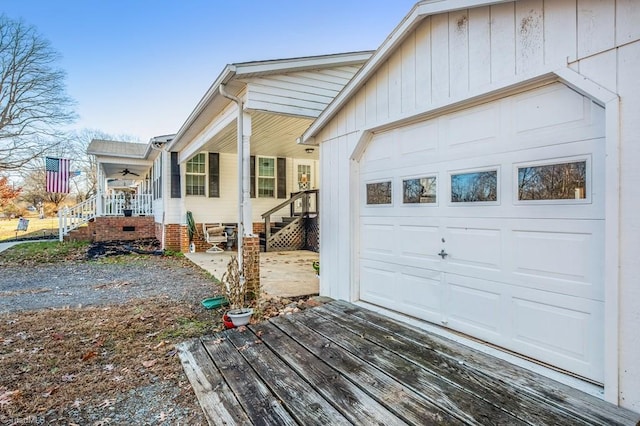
x=499 y=44
x=451 y=54
x=305 y=93
x=629 y=88
x=225 y=207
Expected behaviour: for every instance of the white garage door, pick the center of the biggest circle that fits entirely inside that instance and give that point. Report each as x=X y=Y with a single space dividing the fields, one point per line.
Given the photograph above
x=490 y=221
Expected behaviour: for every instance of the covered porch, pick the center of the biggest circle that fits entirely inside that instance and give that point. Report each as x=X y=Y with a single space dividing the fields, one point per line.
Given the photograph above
x=238 y=153
x=342 y=364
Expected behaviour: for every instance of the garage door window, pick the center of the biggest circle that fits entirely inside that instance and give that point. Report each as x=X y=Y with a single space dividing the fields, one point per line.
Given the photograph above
x=472 y=187
x=419 y=190
x=557 y=181
x=379 y=193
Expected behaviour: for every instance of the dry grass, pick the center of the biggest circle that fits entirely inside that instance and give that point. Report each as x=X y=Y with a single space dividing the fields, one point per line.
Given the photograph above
x=37 y=227
x=59 y=359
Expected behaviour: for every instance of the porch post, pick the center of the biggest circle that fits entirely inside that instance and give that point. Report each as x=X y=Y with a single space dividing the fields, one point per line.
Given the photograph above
x=100 y=192
x=243 y=125
x=247 y=211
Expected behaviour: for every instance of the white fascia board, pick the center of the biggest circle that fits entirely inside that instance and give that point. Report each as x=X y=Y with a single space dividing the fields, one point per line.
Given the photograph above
x=117 y=155
x=303 y=63
x=418 y=13
x=128 y=160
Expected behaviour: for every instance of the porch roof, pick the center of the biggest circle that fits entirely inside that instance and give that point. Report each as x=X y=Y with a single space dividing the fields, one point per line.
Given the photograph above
x=117 y=149
x=283 y=96
x=116 y=157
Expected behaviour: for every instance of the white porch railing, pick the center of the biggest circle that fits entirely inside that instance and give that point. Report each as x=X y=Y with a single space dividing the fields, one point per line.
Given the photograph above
x=70 y=218
x=115 y=205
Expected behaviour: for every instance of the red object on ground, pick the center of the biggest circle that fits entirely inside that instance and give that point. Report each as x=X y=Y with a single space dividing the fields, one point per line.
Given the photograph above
x=227 y=322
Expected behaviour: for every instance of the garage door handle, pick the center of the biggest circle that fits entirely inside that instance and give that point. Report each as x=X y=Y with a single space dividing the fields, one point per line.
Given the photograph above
x=443 y=254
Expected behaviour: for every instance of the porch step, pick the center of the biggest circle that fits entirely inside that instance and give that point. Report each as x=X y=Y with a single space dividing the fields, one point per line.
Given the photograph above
x=82 y=233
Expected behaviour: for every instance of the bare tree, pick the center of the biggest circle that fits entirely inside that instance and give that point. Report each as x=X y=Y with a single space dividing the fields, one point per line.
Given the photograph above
x=34 y=189
x=33 y=100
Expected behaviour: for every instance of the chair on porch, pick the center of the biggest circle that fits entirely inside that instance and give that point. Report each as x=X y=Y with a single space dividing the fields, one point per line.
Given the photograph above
x=214 y=234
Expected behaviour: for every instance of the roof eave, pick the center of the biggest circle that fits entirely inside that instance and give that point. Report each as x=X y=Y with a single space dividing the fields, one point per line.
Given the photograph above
x=258 y=68
x=301 y=63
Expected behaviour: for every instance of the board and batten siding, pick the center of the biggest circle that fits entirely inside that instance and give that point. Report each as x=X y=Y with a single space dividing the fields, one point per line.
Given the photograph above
x=303 y=93
x=450 y=57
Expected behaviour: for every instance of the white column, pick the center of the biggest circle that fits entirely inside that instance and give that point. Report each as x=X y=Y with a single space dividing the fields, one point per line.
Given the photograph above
x=247 y=212
x=100 y=191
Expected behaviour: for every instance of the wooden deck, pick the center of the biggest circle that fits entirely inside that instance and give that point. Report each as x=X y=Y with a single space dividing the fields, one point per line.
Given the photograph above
x=341 y=364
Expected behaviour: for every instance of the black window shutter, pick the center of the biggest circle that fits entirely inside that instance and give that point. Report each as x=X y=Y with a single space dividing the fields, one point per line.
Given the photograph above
x=175 y=176
x=252 y=180
x=282 y=178
x=214 y=174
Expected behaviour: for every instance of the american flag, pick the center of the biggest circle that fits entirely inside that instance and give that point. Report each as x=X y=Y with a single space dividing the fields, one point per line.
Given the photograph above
x=57 y=170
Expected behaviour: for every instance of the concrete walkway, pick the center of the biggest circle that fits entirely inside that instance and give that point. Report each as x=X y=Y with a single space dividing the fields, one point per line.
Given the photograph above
x=7 y=245
x=282 y=273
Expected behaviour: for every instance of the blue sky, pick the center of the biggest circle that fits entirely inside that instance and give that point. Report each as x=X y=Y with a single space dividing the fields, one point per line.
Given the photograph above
x=139 y=67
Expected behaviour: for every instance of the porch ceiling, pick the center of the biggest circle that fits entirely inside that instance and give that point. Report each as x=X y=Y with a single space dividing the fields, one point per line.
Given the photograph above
x=272 y=135
x=113 y=169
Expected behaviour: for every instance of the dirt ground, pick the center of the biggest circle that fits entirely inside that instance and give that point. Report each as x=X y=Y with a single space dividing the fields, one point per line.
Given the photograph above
x=92 y=342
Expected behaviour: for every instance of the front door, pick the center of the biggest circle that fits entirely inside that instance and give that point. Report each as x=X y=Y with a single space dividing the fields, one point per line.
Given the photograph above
x=304 y=179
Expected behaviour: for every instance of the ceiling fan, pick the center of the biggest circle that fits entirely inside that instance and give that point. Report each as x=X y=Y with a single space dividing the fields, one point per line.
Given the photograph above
x=126 y=171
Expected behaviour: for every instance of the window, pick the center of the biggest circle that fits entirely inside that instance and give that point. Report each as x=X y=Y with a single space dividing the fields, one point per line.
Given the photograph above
x=266 y=177
x=419 y=190
x=379 y=193
x=176 y=190
x=156 y=177
x=196 y=175
x=474 y=187
x=558 y=181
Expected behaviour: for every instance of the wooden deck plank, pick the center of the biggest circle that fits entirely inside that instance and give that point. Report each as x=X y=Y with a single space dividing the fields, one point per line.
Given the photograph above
x=456 y=371
x=356 y=405
x=399 y=399
x=261 y=406
x=219 y=404
x=305 y=405
x=452 y=398
x=586 y=407
x=341 y=362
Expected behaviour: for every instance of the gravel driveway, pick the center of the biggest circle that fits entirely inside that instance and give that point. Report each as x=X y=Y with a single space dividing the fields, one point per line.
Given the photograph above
x=76 y=284
x=158 y=398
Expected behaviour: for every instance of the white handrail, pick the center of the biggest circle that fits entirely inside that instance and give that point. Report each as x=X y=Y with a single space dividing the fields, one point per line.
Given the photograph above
x=139 y=204
x=70 y=218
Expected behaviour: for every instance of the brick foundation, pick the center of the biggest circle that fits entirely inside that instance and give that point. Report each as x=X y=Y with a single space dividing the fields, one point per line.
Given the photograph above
x=109 y=228
x=258 y=227
x=173 y=237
